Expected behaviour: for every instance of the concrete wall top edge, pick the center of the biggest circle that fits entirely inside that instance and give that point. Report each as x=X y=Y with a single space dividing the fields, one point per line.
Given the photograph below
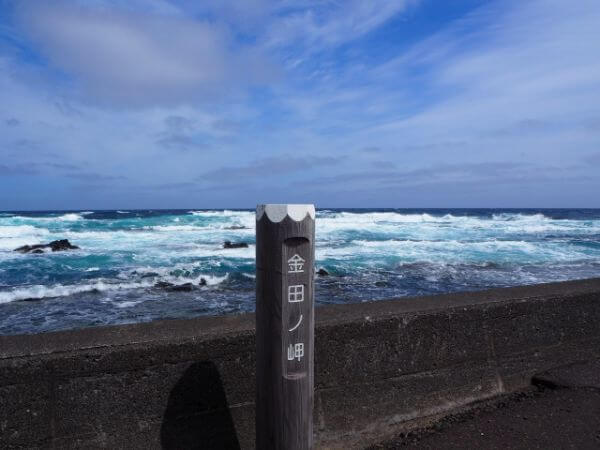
x=209 y=327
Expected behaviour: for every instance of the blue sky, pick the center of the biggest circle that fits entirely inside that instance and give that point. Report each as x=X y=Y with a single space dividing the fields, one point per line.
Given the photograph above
x=414 y=103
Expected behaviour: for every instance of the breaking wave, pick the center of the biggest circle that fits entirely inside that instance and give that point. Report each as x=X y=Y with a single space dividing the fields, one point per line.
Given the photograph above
x=39 y=292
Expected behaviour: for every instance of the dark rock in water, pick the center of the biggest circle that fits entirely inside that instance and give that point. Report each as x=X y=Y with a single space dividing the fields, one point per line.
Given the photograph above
x=29 y=248
x=187 y=287
x=61 y=245
x=202 y=282
x=56 y=246
x=236 y=227
x=229 y=244
x=322 y=272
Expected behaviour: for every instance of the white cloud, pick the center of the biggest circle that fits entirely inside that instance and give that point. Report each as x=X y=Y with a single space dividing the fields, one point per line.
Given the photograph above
x=139 y=58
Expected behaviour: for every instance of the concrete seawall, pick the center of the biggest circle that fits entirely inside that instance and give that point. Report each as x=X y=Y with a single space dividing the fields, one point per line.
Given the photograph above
x=380 y=367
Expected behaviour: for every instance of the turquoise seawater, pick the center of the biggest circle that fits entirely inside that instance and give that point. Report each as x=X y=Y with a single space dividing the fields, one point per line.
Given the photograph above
x=370 y=254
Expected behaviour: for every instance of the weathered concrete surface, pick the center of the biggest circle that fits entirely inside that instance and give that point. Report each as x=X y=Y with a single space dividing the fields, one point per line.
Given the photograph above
x=564 y=412
x=381 y=368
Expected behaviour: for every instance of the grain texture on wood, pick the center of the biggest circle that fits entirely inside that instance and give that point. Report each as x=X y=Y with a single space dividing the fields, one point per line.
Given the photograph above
x=284 y=330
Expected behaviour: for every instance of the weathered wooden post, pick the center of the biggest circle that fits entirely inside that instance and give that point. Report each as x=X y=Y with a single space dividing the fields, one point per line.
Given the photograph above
x=285 y=251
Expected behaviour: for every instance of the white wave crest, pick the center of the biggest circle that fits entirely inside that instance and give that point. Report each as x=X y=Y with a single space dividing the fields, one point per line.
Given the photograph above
x=128 y=303
x=11 y=231
x=427 y=225
x=210 y=250
x=521 y=217
x=169 y=275
x=169 y=228
x=39 y=291
x=222 y=213
x=69 y=217
x=13 y=236
x=227 y=218
x=452 y=251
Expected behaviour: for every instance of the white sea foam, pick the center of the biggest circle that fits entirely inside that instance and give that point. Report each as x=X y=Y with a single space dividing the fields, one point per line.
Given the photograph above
x=397 y=217
x=13 y=236
x=375 y=217
x=58 y=290
x=212 y=280
x=538 y=217
x=175 y=273
x=171 y=228
x=452 y=251
x=427 y=225
x=69 y=217
x=127 y=304
x=210 y=250
x=226 y=218
x=382 y=221
x=12 y=231
x=221 y=213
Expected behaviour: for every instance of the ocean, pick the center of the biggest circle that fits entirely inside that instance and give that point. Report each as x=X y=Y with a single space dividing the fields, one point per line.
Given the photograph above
x=370 y=254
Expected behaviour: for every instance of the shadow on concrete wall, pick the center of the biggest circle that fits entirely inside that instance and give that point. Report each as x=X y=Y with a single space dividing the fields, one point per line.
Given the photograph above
x=197 y=414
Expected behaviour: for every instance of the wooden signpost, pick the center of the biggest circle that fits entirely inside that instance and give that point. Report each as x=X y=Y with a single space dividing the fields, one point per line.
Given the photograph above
x=285 y=252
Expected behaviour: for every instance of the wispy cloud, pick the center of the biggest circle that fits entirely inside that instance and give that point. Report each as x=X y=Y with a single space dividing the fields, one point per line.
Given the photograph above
x=92 y=177
x=328 y=24
x=136 y=58
x=17 y=170
x=277 y=166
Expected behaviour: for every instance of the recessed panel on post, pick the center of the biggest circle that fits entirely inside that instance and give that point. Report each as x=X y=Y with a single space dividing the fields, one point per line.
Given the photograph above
x=297 y=306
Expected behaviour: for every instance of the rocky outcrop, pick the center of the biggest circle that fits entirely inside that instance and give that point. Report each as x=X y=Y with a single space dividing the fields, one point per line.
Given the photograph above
x=229 y=244
x=322 y=272
x=55 y=246
x=185 y=287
